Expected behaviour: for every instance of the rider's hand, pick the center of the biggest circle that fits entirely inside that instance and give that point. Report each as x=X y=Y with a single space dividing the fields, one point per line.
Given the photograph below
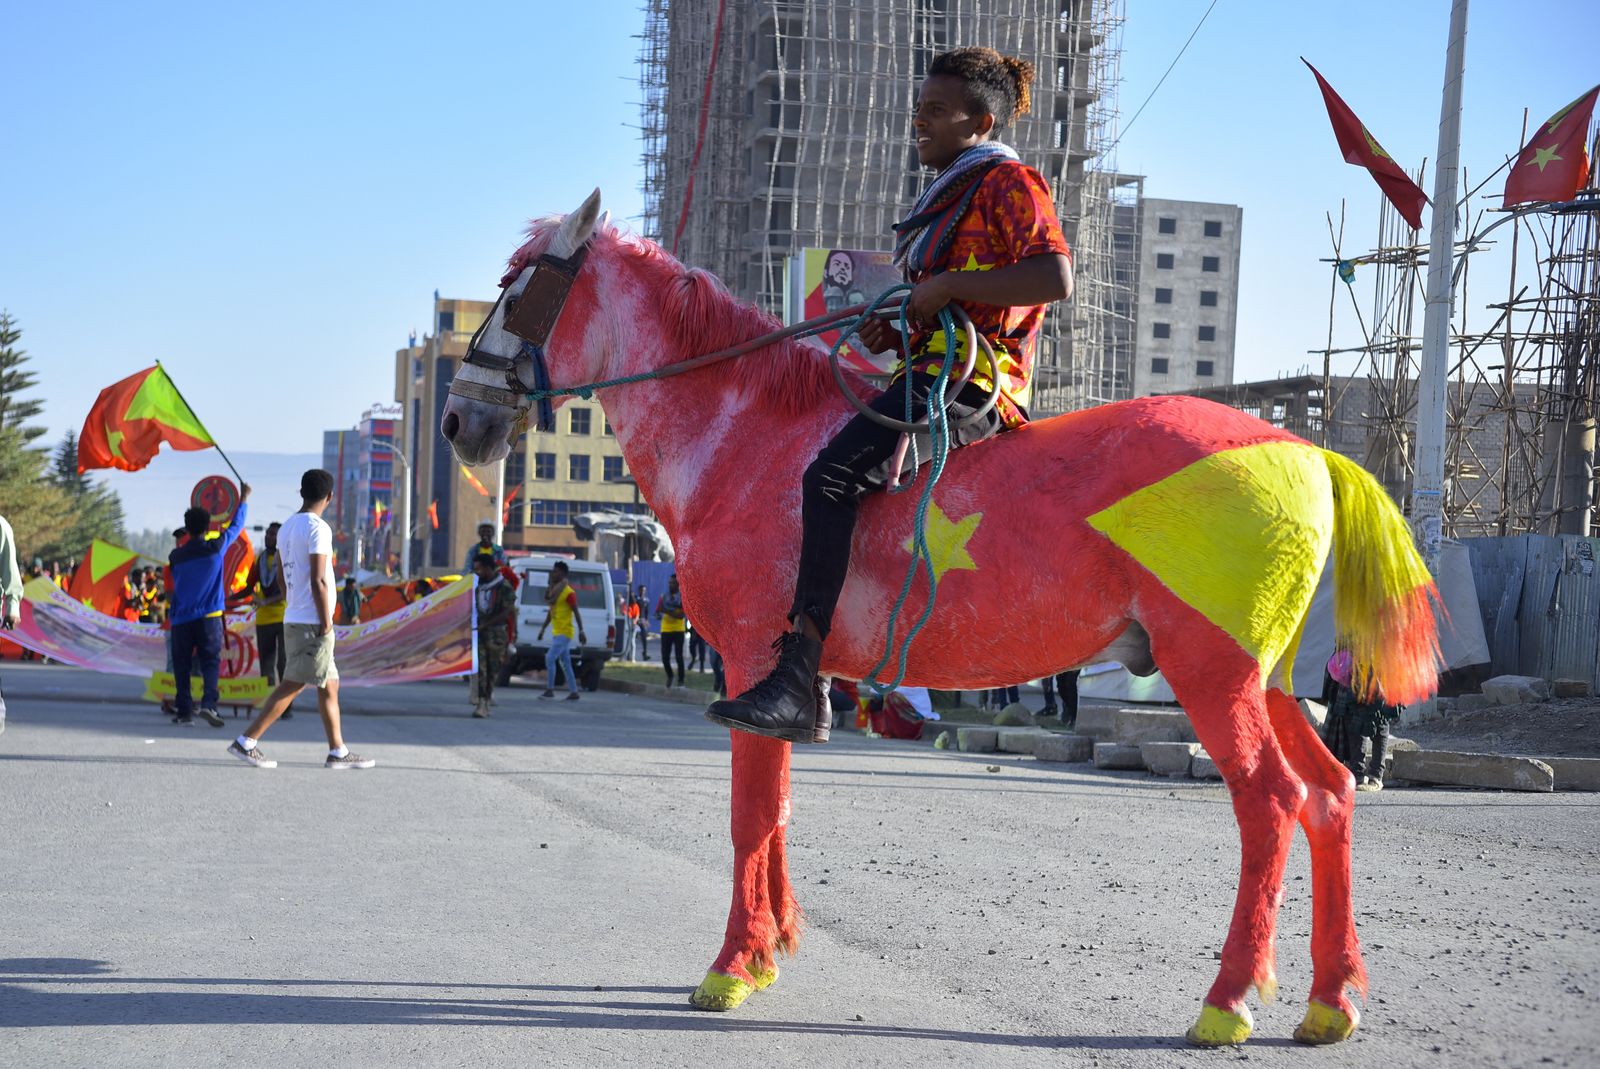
x=880 y=335
x=927 y=297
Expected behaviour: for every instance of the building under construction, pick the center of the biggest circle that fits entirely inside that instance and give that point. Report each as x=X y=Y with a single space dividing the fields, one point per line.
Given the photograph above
x=774 y=126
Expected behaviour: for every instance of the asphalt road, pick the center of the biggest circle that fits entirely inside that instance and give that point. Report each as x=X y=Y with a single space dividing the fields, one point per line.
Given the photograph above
x=546 y=887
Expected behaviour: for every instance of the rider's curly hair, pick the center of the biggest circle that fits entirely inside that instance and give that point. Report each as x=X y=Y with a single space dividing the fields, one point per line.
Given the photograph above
x=996 y=84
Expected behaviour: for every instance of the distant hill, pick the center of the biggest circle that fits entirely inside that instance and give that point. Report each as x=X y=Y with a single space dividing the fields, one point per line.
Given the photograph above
x=157 y=496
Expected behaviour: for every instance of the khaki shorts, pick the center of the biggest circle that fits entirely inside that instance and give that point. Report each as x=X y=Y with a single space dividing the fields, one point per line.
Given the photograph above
x=310 y=655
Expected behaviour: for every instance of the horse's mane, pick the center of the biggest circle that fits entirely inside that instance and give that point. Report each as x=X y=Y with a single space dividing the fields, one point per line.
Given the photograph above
x=700 y=316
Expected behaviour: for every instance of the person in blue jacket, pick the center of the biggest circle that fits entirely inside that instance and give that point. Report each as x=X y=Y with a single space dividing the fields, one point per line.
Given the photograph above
x=198 y=599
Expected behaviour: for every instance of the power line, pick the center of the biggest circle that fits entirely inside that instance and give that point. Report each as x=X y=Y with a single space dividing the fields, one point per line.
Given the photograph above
x=1174 y=63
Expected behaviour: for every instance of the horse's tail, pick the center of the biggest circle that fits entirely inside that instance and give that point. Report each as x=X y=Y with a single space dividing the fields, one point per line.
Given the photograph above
x=1382 y=592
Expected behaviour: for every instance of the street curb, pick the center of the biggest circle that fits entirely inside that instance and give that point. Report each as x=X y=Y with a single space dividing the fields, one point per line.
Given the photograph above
x=701 y=698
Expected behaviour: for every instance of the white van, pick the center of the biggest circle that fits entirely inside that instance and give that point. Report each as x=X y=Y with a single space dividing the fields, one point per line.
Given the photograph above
x=596 y=608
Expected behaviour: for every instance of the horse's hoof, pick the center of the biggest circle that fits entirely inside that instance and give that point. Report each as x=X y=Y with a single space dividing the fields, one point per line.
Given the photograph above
x=1323 y=1024
x=1219 y=1028
x=764 y=978
x=721 y=992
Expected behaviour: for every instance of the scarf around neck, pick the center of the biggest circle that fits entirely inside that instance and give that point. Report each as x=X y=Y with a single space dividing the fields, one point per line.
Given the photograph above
x=923 y=238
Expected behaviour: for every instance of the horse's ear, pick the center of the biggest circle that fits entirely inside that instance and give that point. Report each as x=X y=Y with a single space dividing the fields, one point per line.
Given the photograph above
x=577 y=227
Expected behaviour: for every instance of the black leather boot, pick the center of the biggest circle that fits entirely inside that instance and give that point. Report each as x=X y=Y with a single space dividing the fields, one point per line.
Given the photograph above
x=783 y=705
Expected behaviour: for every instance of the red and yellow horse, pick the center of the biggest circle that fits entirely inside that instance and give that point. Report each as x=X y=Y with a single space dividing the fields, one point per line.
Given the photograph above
x=1165 y=531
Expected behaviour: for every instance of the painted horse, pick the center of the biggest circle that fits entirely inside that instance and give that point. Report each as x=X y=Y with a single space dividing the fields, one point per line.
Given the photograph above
x=1164 y=531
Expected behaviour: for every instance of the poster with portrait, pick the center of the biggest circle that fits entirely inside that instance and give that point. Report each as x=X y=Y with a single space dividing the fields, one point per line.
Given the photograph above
x=826 y=280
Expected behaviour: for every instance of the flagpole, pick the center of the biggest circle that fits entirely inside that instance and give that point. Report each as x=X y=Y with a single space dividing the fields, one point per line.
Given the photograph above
x=1427 y=494
x=200 y=421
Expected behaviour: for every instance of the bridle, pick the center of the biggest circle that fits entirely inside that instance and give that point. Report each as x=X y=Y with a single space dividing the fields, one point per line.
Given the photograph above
x=530 y=316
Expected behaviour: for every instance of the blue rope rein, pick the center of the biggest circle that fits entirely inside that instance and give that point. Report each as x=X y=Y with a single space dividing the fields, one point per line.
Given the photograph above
x=938 y=419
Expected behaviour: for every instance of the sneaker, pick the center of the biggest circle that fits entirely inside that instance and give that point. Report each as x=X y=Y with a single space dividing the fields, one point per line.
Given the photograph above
x=548 y=694
x=1370 y=783
x=184 y=721
x=349 y=760
x=572 y=697
x=211 y=716
x=252 y=756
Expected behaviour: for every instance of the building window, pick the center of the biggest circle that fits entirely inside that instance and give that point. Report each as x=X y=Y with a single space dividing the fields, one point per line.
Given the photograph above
x=1163 y=296
x=609 y=432
x=1165 y=225
x=1213 y=228
x=1204 y=368
x=447 y=322
x=1162 y=330
x=544 y=465
x=1210 y=263
x=1158 y=365
x=1164 y=261
x=516 y=468
x=1208 y=333
x=1208 y=298
x=611 y=468
x=578 y=468
x=579 y=422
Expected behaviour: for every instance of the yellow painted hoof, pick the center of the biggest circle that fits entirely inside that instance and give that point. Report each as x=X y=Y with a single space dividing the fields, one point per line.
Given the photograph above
x=764 y=978
x=1323 y=1024
x=1219 y=1028
x=719 y=991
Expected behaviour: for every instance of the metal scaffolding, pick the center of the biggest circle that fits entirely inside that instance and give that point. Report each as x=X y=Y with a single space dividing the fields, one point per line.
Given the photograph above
x=774 y=126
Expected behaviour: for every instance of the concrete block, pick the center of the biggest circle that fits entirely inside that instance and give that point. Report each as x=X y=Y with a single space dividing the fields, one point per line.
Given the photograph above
x=977 y=740
x=1516 y=690
x=1202 y=767
x=1315 y=712
x=1168 y=758
x=1096 y=720
x=1113 y=755
x=1020 y=740
x=1469 y=703
x=1131 y=727
x=1015 y=715
x=1575 y=773
x=1064 y=748
x=1397 y=743
x=1494 y=771
x=1571 y=688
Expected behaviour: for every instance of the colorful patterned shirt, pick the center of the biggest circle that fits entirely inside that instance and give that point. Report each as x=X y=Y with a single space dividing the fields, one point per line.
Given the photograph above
x=1011 y=218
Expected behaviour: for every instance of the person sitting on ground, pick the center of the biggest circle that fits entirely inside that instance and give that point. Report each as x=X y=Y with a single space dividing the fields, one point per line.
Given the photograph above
x=496 y=602
x=561 y=617
x=985 y=235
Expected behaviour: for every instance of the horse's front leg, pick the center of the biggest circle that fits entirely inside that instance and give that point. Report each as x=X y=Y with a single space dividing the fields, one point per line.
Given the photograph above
x=763 y=917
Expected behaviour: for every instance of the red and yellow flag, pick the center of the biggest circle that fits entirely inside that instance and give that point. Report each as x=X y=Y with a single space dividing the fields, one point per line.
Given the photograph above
x=130 y=419
x=101 y=576
x=1554 y=165
x=433 y=514
x=473 y=481
x=1362 y=149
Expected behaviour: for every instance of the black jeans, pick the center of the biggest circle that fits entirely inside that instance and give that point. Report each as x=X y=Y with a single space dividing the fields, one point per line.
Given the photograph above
x=1067 y=684
x=697 y=651
x=672 y=642
x=274 y=654
x=197 y=640
x=853 y=465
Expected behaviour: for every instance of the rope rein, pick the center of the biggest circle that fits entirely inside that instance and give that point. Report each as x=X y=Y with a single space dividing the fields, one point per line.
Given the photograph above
x=938 y=442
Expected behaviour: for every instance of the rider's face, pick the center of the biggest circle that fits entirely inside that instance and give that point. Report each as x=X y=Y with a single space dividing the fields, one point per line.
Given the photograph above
x=944 y=125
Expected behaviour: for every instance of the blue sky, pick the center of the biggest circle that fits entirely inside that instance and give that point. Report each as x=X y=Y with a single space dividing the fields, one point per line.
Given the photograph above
x=266 y=196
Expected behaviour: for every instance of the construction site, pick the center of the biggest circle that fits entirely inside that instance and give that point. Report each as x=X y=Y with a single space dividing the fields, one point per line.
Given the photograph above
x=774 y=127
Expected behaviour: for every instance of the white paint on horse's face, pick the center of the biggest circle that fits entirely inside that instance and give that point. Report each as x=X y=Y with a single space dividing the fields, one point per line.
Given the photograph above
x=480 y=432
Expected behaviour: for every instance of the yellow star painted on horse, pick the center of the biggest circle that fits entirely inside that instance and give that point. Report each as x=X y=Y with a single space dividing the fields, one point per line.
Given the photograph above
x=947 y=542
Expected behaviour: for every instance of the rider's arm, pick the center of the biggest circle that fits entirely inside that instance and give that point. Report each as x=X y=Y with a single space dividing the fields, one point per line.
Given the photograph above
x=1036 y=280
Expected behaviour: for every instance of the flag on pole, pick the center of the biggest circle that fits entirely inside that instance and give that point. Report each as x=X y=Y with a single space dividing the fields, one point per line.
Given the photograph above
x=1362 y=149
x=130 y=419
x=472 y=480
x=101 y=575
x=505 y=510
x=1554 y=164
x=433 y=514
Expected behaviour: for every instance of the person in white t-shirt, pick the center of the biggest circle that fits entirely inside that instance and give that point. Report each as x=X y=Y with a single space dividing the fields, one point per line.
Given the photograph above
x=305 y=545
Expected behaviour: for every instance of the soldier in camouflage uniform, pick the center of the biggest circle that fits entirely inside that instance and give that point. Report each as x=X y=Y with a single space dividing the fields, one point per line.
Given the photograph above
x=495 y=603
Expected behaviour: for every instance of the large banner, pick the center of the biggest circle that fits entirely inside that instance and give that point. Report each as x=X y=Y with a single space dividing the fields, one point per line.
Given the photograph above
x=826 y=280
x=428 y=639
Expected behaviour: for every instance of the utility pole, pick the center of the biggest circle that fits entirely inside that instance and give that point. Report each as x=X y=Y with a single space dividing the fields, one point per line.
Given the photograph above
x=405 y=505
x=1427 y=494
x=500 y=502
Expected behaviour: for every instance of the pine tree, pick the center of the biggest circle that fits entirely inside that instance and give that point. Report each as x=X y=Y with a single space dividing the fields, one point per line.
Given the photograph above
x=38 y=509
x=98 y=509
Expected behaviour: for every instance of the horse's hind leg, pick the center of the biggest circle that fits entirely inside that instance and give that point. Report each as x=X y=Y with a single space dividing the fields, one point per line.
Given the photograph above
x=1219 y=686
x=1326 y=818
x=760 y=808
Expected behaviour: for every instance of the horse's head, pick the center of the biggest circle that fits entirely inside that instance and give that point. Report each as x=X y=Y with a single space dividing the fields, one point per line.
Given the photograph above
x=488 y=406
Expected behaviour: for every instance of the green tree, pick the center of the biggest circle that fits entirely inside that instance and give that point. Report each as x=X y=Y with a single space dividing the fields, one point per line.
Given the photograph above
x=97 y=509
x=38 y=509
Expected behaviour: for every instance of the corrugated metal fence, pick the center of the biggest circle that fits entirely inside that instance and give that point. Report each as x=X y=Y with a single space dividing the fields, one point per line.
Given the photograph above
x=1540 y=598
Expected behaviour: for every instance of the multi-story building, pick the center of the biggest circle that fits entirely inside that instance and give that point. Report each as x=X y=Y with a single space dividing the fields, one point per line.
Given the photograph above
x=1188 y=304
x=778 y=126
x=550 y=477
x=361 y=514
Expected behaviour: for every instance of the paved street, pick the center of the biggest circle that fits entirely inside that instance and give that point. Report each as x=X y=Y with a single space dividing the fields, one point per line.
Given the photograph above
x=545 y=888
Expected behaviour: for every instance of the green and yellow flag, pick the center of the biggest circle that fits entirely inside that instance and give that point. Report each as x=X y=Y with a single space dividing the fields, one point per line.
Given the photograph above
x=130 y=419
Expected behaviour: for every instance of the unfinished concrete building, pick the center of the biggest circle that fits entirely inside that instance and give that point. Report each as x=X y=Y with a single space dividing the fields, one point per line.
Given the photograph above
x=772 y=126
